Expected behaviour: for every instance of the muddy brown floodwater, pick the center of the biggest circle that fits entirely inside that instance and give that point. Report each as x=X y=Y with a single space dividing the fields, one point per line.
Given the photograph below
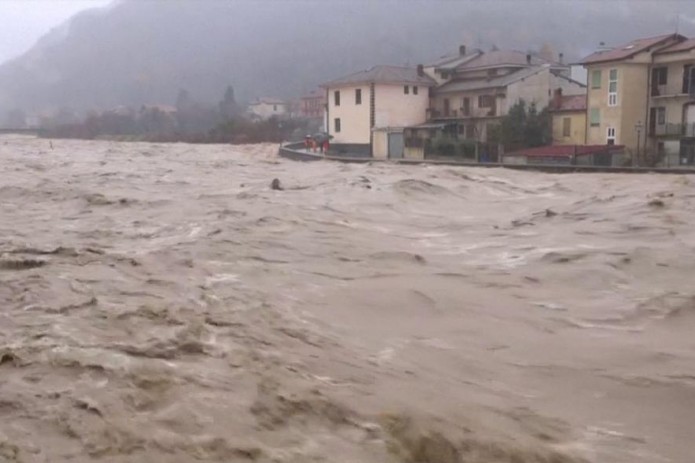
x=161 y=303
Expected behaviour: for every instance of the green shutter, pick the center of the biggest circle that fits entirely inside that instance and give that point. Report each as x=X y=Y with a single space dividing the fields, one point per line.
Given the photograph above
x=596 y=79
x=595 y=117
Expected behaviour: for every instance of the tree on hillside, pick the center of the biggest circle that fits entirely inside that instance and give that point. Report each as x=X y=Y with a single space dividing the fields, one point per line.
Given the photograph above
x=523 y=127
x=228 y=106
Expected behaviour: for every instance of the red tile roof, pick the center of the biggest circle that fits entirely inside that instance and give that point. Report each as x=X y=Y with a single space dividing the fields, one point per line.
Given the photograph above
x=565 y=150
x=629 y=49
x=683 y=46
x=570 y=103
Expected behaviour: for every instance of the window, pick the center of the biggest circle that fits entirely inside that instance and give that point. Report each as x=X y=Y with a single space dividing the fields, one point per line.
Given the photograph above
x=415 y=90
x=406 y=89
x=596 y=79
x=659 y=79
x=661 y=116
x=689 y=79
x=594 y=117
x=358 y=96
x=336 y=97
x=613 y=88
x=336 y=124
x=610 y=136
x=486 y=101
x=566 y=127
x=466 y=106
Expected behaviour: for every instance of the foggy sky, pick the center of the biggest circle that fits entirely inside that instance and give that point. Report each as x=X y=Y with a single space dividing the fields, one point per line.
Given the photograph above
x=25 y=21
x=146 y=51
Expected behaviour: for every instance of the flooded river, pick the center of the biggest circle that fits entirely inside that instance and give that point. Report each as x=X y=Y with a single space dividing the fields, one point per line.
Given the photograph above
x=161 y=303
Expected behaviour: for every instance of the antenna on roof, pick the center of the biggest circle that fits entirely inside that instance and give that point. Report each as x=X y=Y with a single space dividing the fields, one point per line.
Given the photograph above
x=678 y=21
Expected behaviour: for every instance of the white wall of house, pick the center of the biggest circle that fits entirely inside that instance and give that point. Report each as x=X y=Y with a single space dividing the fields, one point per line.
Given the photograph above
x=395 y=108
x=539 y=89
x=354 y=118
x=268 y=110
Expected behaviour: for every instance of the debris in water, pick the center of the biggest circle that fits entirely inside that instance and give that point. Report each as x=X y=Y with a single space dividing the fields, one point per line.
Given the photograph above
x=275 y=185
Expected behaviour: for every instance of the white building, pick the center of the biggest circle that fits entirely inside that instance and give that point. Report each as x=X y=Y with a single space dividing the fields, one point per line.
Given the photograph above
x=265 y=108
x=367 y=111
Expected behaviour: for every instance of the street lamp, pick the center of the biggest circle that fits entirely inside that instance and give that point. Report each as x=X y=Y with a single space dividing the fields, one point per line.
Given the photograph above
x=638 y=128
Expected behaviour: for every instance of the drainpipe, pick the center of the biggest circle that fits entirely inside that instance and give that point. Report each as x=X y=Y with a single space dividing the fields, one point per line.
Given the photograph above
x=647 y=122
x=328 y=116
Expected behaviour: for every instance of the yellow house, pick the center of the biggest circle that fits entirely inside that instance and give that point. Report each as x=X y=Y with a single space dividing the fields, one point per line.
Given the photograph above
x=671 y=128
x=367 y=111
x=618 y=93
x=568 y=114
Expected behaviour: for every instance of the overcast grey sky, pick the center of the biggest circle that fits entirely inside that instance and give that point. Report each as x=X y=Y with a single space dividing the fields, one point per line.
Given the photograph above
x=25 y=21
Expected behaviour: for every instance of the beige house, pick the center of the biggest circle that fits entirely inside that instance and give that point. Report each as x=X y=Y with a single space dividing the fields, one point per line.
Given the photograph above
x=671 y=127
x=568 y=118
x=265 y=108
x=477 y=89
x=618 y=95
x=367 y=111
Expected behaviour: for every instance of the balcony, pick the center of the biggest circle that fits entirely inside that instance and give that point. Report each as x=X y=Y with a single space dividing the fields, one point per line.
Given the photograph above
x=673 y=130
x=462 y=113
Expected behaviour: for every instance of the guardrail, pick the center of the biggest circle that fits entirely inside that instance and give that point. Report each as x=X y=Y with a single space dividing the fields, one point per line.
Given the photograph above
x=296 y=152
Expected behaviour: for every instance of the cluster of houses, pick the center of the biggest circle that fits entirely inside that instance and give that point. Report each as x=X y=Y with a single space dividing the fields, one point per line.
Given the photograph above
x=637 y=105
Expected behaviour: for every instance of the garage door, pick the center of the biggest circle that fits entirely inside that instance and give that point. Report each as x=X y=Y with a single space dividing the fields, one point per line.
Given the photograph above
x=396 y=145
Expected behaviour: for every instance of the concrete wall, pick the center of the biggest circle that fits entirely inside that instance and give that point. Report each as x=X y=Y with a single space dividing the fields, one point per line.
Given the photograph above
x=577 y=128
x=413 y=153
x=395 y=108
x=354 y=118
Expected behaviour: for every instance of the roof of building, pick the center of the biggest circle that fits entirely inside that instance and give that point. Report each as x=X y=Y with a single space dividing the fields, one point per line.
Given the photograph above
x=495 y=82
x=629 y=49
x=267 y=100
x=685 y=45
x=501 y=58
x=383 y=75
x=566 y=150
x=570 y=103
x=314 y=94
x=453 y=60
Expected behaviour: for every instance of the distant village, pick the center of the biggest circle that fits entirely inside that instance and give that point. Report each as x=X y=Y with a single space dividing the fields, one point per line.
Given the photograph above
x=632 y=104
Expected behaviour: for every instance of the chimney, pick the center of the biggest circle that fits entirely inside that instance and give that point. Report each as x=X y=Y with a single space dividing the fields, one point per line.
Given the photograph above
x=420 y=70
x=462 y=50
x=557 y=98
x=561 y=58
x=528 y=58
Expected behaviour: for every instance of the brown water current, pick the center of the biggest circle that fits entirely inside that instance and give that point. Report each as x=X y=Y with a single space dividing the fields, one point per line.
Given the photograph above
x=161 y=303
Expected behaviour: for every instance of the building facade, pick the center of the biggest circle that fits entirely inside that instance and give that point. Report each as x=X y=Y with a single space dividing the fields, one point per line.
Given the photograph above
x=671 y=126
x=477 y=89
x=313 y=105
x=376 y=103
x=618 y=93
x=568 y=118
x=265 y=108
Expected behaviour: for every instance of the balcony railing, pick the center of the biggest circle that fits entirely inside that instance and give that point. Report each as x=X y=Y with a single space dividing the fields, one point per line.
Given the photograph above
x=674 y=130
